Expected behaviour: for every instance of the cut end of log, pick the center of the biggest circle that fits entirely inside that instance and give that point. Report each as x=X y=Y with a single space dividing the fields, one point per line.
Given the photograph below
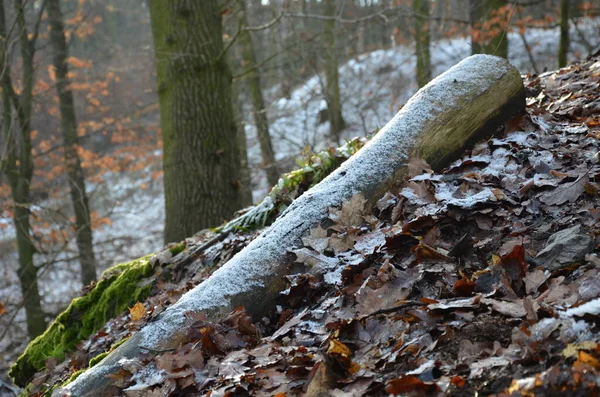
x=481 y=112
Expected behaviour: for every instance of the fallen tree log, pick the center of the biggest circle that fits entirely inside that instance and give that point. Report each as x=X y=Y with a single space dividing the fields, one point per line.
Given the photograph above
x=467 y=103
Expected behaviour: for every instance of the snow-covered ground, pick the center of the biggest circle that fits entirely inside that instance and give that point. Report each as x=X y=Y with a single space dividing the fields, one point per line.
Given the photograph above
x=373 y=87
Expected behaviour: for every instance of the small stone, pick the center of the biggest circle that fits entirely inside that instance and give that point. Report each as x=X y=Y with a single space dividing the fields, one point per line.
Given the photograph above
x=565 y=247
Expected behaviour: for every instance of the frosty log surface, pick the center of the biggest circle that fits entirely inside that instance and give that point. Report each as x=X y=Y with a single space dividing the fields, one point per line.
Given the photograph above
x=465 y=104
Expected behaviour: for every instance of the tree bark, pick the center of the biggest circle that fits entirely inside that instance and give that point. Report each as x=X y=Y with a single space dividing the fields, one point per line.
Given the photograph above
x=423 y=72
x=17 y=162
x=332 y=90
x=458 y=108
x=489 y=28
x=201 y=155
x=258 y=103
x=563 y=46
x=79 y=199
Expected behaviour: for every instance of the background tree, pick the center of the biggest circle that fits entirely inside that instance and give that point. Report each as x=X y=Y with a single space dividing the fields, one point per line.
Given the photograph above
x=201 y=155
x=563 y=47
x=489 y=27
x=79 y=199
x=332 y=90
x=245 y=179
x=17 y=160
x=253 y=82
x=423 y=71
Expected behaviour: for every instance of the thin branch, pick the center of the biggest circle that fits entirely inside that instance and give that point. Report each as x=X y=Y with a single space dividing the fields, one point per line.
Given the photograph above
x=231 y=42
x=379 y=14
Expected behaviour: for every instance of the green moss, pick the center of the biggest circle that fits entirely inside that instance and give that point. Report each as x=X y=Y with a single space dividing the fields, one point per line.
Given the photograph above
x=98 y=358
x=313 y=168
x=73 y=377
x=118 y=289
x=177 y=248
x=26 y=391
x=119 y=343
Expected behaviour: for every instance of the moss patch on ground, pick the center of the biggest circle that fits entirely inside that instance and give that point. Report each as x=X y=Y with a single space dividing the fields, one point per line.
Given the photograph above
x=118 y=289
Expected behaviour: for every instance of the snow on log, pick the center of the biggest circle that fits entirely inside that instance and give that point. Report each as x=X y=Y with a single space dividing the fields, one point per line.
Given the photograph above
x=465 y=104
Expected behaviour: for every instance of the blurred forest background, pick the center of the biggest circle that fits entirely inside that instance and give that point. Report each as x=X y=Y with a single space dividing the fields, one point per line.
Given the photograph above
x=81 y=144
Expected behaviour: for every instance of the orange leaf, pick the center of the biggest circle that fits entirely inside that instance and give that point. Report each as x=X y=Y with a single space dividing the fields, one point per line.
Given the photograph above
x=79 y=63
x=407 y=384
x=458 y=381
x=338 y=348
x=588 y=359
x=52 y=72
x=137 y=311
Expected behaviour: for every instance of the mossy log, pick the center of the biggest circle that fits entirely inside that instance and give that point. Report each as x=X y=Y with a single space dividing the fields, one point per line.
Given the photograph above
x=118 y=289
x=467 y=103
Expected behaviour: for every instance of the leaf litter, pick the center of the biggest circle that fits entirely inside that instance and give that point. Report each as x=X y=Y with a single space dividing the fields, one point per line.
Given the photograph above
x=480 y=279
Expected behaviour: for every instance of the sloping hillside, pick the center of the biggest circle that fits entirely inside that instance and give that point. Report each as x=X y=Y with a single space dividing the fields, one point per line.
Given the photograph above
x=479 y=279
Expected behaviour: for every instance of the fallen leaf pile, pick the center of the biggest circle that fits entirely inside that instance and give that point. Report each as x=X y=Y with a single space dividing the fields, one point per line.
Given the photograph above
x=482 y=279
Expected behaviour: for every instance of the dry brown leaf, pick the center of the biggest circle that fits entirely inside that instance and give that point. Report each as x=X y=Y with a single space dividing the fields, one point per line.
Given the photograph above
x=418 y=166
x=407 y=384
x=137 y=311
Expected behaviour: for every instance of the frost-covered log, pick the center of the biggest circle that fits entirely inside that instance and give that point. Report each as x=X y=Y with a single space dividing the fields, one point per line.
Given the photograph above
x=465 y=104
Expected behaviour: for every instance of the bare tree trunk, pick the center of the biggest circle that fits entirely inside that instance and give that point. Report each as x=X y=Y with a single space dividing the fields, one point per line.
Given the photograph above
x=200 y=148
x=17 y=162
x=79 y=199
x=421 y=11
x=245 y=188
x=332 y=91
x=563 y=46
x=360 y=38
x=258 y=103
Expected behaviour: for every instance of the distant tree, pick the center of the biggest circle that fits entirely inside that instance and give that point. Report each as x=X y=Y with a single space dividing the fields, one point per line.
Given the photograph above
x=489 y=27
x=332 y=90
x=253 y=82
x=563 y=46
x=79 y=199
x=421 y=11
x=17 y=161
x=238 y=111
x=200 y=149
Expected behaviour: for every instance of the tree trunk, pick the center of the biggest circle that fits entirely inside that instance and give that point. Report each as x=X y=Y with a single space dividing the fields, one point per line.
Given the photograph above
x=79 y=199
x=563 y=46
x=475 y=14
x=278 y=74
x=421 y=11
x=36 y=323
x=489 y=27
x=258 y=103
x=17 y=162
x=332 y=90
x=360 y=38
x=458 y=108
x=245 y=180
x=201 y=155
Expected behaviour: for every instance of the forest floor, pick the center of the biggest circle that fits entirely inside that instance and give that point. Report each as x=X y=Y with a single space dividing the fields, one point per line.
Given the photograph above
x=481 y=279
